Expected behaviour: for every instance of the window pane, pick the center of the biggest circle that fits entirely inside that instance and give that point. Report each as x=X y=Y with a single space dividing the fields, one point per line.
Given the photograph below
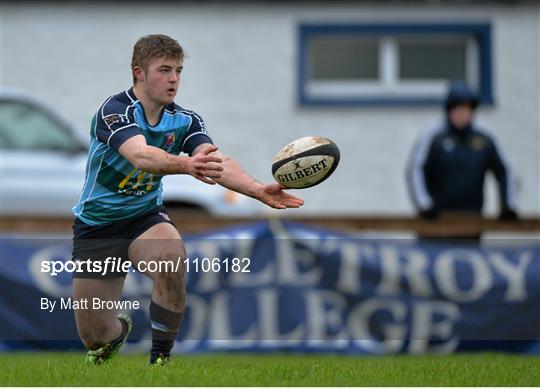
x=432 y=60
x=23 y=127
x=342 y=57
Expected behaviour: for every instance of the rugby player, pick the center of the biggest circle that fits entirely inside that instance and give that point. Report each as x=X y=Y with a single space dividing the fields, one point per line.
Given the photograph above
x=136 y=138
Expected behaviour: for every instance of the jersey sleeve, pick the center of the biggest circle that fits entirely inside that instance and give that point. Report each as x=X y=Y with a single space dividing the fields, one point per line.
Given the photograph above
x=503 y=173
x=419 y=170
x=196 y=135
x=115 y=123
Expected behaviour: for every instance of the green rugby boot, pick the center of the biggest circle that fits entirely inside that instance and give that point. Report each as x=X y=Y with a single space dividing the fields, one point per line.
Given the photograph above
x=159 y=360
x=107 y=352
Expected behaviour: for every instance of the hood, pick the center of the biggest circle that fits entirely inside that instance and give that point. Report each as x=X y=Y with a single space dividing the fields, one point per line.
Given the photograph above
x=460 y=93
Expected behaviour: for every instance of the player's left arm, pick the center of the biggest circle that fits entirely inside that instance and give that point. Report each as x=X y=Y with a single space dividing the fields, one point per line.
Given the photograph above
x=235 y=178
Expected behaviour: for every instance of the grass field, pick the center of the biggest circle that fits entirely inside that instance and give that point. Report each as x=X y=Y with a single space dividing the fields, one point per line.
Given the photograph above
x=67 y=369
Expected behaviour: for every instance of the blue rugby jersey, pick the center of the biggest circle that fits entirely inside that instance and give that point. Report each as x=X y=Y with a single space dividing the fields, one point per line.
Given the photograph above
x=114 y=189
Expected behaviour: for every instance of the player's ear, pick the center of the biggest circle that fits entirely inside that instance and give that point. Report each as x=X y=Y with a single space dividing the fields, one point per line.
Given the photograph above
x=138 y=73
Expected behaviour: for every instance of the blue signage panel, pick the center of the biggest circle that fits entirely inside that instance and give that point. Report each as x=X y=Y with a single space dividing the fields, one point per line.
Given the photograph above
x=284 y=286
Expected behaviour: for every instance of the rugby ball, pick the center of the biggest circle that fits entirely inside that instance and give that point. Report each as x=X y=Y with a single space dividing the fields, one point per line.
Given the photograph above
x=305 y=162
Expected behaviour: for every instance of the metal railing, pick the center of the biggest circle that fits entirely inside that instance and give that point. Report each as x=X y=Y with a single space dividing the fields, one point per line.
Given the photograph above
x=445 y=225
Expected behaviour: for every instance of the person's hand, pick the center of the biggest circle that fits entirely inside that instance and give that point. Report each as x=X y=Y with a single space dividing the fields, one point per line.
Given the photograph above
x=508 y=214
x=429 y=214
x=205 y=167
x=274 y=196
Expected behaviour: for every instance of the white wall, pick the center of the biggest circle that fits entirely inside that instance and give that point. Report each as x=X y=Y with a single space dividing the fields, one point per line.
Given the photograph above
x=241 y=77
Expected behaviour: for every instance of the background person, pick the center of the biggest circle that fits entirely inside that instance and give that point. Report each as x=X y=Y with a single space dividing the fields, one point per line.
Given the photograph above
x=448 y=163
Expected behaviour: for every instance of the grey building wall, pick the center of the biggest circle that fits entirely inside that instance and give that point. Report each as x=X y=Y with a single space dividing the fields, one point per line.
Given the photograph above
x=241 y=77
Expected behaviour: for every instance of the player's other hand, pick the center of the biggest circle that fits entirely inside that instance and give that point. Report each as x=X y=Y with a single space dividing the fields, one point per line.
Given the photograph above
x=204 y=166
x=274 y=196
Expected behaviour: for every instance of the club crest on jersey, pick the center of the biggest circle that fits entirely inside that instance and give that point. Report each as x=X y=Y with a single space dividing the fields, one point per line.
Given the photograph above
x=478 y=143
x=170 y=137
x=111 y=119
x=448 y=145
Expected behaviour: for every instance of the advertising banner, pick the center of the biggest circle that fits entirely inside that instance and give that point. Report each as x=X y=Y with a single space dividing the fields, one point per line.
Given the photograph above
x=283 y=286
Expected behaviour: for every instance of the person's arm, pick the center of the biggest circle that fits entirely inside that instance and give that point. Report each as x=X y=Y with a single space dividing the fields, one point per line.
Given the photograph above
x=142 y=156
x=235 y=178
x=418 y=175
x=116 y=127
x=501 y=169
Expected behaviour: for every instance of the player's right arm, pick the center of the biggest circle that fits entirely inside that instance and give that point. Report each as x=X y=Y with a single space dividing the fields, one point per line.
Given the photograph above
x=116 y=127
x=142 y=156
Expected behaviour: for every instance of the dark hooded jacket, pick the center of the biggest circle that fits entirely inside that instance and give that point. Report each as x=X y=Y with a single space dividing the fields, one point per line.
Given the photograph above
x=448 y=165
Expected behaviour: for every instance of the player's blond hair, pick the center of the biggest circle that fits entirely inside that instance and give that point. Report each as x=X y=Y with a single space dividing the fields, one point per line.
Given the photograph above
x=155 y=46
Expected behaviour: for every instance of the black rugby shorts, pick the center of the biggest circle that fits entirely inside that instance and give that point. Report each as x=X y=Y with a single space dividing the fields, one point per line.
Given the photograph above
x=111 y=240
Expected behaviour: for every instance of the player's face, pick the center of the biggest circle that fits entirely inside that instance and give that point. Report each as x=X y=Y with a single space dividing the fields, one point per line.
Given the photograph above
x=162 y=80
x=461 y=115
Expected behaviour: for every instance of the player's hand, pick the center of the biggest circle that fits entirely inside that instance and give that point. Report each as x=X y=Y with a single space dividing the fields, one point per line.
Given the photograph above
x=274 y=196
x=205 y=167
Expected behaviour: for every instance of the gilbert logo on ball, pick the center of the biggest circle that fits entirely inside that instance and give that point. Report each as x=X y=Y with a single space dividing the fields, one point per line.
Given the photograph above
x=305 y=162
